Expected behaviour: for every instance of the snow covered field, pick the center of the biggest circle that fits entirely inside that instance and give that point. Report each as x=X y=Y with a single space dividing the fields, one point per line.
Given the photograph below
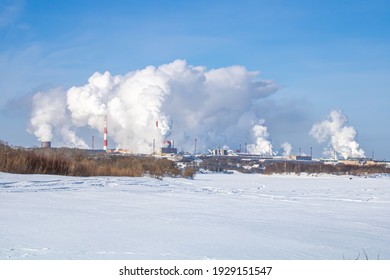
x=214 y=216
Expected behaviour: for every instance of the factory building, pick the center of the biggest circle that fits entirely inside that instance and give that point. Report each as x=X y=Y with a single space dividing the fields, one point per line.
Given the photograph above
x=219 y=152
x=168 y=147
x=45 y=144
x=359 y=162
x=300 y=157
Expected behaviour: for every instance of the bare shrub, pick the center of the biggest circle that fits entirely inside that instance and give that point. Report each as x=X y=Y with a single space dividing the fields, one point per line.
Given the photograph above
x=74 y=162
x=189 y=172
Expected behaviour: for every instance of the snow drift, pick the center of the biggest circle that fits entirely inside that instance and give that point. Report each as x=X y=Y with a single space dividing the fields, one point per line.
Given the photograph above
x=215 y=216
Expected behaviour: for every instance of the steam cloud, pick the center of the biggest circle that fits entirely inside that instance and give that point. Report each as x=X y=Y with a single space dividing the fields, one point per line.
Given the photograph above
x=340 y=136
x=172 y=101
x=49 y=113
x=262 y=146
x=287 y=148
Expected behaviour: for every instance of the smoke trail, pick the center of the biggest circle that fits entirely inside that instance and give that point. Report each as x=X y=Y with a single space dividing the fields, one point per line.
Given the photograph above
x=262 y=145
x=340 y=136
x=49 y=114
x=287 y=148
x=175 y=100
x=43 y=120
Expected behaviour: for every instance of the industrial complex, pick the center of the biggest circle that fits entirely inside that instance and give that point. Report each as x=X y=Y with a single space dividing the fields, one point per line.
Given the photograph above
x=224 y=159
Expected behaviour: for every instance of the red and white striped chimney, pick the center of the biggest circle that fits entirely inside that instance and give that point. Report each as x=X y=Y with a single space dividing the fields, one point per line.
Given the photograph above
x=105 y=134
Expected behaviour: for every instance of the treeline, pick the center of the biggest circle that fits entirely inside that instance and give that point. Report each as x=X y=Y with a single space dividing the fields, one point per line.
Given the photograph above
x=222 y=164
x=74 y=162
x=319 y=167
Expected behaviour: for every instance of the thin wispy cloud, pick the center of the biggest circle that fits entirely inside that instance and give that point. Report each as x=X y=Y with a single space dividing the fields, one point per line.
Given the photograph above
x=9 y=12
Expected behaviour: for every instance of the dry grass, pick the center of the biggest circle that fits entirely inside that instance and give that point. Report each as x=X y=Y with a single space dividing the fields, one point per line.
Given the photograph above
x=73 y=162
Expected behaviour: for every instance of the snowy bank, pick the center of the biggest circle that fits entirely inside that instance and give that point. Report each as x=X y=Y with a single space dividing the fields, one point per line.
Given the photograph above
x=214 y=216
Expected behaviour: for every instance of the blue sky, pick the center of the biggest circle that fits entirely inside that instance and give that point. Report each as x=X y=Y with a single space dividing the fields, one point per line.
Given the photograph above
x=324 y=55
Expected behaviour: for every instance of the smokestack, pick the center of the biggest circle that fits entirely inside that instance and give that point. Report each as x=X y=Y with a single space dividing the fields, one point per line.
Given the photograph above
x=105 y=134
x=93 y=142
x=195 y=146
x=45 y=144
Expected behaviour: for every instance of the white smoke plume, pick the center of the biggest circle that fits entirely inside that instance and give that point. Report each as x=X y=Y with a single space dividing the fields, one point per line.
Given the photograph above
x=287 y=148
x=341 y=137
x=49 y=114
x=172 y=101
x=262 y=145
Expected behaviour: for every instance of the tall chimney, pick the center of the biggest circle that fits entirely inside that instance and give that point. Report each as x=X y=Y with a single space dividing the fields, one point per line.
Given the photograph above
x=105 y=134
x=196 y=140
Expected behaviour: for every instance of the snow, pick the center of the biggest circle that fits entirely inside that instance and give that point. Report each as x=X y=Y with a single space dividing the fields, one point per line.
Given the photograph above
x=214 y=216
